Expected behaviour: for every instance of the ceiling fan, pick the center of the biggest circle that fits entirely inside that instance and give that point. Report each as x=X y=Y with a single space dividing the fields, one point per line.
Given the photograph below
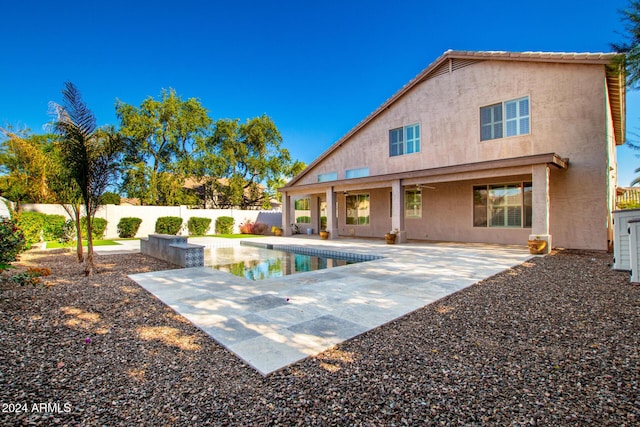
x=421 y=186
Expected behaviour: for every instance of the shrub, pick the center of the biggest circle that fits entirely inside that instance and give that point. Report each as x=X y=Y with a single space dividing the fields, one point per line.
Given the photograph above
x=303 y=220
x=31 y=224
x=168 y=224
x=198 y=226
x=260 y=228
x=128 y=227
x=246 y=228
x=53 y=228
x=628 y=205
x=12 y=241
x=30 y=277
x=98 y=227
x=224 y=225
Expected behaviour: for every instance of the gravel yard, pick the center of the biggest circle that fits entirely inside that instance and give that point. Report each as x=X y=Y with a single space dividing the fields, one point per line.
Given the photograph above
x=555 y=341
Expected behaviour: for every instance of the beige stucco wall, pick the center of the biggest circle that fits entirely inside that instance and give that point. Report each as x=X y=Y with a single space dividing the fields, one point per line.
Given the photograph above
x=568 y=116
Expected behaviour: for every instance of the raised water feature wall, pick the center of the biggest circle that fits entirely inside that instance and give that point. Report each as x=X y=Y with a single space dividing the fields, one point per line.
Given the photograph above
x=173 y=249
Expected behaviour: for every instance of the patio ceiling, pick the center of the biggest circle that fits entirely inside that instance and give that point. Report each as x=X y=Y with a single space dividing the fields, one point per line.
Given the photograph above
x=517 y=165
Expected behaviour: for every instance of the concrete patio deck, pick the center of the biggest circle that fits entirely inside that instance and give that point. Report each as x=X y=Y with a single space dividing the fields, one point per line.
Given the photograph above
x=275 y=322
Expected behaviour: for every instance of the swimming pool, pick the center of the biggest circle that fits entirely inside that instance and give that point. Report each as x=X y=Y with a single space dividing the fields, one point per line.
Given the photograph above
x=265 y=262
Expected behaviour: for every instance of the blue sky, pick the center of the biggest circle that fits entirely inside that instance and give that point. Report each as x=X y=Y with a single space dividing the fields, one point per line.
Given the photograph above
x=316 y=68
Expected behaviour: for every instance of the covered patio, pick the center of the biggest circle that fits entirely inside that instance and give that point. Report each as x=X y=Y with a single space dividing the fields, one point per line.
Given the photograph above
x=446 y=208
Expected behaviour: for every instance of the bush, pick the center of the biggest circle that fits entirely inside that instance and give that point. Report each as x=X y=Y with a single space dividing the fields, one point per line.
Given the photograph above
x=30 y=277
x=628 y=205
x=54 y=228
x=260 y=228
x=168 y=225
x=198 y=226
x=31 y=224
x=12 y=241
x=303 y=220
x=246 y=228
x=224 y=225
x=128 y=227
x=98 y=227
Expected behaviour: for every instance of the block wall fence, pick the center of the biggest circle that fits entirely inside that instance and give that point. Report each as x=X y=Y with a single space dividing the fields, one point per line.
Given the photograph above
x=149 y=215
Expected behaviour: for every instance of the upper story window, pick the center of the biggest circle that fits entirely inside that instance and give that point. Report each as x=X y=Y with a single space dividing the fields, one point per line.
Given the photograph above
x=404 y=140
x=357 y=173
x=508 y=118
x=330 y=176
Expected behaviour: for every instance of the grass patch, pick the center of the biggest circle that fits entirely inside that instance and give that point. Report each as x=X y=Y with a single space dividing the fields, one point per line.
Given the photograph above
x=56 y=245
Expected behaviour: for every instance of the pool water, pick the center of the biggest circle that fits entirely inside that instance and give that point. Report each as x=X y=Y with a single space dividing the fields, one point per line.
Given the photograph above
x=256 y=263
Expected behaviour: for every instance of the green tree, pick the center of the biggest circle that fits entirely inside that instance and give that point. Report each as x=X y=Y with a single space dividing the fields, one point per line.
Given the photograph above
x=171 y=191
x=36 y=173
x=24 y=163
x=90 y=153
x=250 y=156
x=161 y=136
x=110 y=198
x=631 y=46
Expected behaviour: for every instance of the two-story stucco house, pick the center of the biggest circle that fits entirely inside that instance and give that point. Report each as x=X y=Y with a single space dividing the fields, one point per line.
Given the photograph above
x=480 y=147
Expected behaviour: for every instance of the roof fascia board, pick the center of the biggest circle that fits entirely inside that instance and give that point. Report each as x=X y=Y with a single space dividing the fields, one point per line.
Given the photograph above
x=551 y=159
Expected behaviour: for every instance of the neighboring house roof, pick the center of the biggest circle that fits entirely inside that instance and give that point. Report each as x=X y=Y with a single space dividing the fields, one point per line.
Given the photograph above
x=453 y=59
x=628 y=194
x=194 y=183
x=126 y=201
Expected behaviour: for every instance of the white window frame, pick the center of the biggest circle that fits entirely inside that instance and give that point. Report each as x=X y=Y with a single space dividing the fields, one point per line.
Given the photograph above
x=356 y=173
x=409 y=142
x=329 y=176
x=515 y=119
x=494 y=125
x=520 y=119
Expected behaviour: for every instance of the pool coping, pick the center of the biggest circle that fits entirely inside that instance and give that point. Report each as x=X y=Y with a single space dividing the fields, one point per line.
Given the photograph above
x=305 y=250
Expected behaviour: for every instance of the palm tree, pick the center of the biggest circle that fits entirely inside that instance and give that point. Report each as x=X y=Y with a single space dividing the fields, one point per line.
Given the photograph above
x=631 y=47
x=90 y=153
x=637 y=180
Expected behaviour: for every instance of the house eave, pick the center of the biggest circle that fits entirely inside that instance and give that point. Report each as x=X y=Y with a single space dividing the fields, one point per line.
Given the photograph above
x=551 y=159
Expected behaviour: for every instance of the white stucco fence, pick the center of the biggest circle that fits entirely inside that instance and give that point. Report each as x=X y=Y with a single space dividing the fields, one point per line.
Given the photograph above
x=4 y=208
x=149 y=215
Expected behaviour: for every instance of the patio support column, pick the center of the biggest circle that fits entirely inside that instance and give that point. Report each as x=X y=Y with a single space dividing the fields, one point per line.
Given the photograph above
x=540 y=204
x=314 y=205
x=286 y=214
x=397 y=210
x=332 y=221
